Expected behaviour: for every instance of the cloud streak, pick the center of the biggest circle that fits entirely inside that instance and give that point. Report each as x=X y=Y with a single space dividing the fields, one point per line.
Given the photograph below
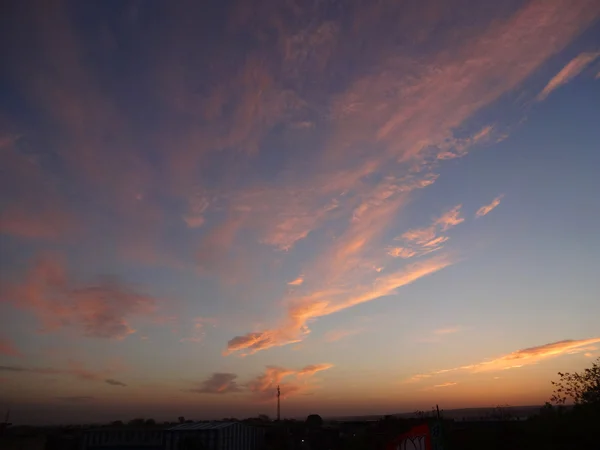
x=421 y=241
x=517 y=359
x=570 y=71
x=322 y=303
x=75 y=370
x=486 y=209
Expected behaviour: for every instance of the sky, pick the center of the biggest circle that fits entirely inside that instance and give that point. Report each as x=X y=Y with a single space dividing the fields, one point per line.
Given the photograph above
x=378 y=206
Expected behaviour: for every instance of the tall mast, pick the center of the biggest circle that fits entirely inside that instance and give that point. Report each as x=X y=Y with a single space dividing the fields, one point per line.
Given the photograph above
x=278 y=404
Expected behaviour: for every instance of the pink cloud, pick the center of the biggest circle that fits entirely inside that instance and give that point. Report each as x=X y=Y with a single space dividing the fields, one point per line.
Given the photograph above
x=8 y=348
x=35 y=209
x=102 y=309
x=421 y=241
x=570 y=71
x=488 y=208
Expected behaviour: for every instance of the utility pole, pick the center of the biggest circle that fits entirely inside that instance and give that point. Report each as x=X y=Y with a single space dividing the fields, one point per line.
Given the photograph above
x=278 y=404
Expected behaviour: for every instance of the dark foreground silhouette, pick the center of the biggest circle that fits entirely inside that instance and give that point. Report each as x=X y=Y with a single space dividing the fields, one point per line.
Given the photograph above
x=570 y=421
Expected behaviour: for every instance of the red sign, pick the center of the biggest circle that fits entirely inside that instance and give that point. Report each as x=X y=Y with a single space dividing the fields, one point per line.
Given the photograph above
x=417 y=438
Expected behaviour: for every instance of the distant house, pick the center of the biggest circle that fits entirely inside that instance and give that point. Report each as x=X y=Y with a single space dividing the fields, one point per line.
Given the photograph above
x=214 y=436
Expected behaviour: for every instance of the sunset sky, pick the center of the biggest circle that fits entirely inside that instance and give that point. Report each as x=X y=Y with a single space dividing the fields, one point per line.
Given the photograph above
x=377 y=205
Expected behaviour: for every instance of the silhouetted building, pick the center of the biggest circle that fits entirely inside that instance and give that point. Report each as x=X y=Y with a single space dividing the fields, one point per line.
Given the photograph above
x=22 y=442
x=214 y=436
x=123 y=438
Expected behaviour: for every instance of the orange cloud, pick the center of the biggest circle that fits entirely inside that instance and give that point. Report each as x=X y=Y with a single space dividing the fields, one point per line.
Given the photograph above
x=487 y=208
x=297 y=282
x=313 y=368
x=329 y=301
x=450 y=218
x=97 y=310
x=518 y=358
x=401 y=252
x=570 y=71
x=443 y=385
x=265 y=385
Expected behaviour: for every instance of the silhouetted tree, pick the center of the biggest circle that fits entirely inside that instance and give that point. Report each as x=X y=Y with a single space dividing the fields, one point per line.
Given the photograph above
x=150 y=422
x=422 y=414
x=501 y=413
x=314 y=421
x=181 y=419
x=264 y=418
x=136 y=422
x=117 y=423
x=582 y=388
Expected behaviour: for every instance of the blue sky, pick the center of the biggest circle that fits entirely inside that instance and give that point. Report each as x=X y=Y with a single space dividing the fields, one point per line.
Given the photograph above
x=376 y=207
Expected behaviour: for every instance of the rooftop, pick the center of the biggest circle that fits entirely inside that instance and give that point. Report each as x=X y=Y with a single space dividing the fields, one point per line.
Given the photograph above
x=201 y=426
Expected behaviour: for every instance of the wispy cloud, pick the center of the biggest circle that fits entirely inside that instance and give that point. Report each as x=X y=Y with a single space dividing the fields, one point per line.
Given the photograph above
x=570 y=71
x=265 y=385
x=445 y=385
x=438 y=386
x=488 y=208
x=421 y=241
x=218 y=383
x=114 y=382
x=98 y=310
x=322 y=303
x=517 y=359
x=297 y=282
x=74 y=369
